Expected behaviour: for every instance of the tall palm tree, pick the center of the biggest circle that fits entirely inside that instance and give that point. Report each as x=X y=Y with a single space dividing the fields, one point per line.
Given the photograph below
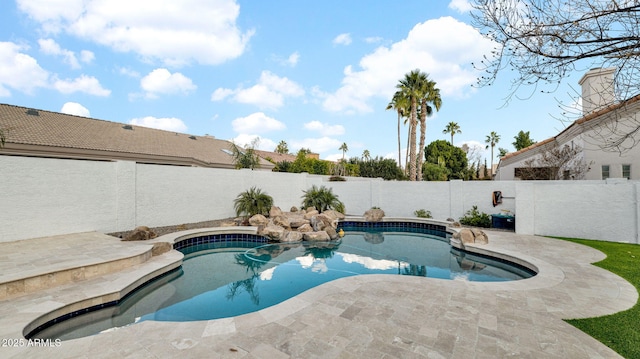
x=344 y=149
x=452 y=128
x=366 y=155
x=429 y=95
x=401 y=105
x=409 y=86
x=492 y=139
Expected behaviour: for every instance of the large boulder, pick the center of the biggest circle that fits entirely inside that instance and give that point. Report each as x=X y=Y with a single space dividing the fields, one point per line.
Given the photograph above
x=141 y=233
x=160 y=248
x=275 y=211
x=479 y=236
x=331 y=232
x=333 y=214
x=464 y=235
x=273 y=232
x=282 y=221
x=296 y=221
x=474 y=235
x=305 y=228
x=320 y=236
x=292 y=236
x=258 y=220
x=320 y=221
x=374 y=215
x=310 y=213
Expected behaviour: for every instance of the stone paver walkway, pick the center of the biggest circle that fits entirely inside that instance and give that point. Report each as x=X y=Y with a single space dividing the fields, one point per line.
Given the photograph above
x=372 y=316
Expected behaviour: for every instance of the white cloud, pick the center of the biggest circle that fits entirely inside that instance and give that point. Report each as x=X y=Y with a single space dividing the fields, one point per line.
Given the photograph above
x=461 y=6
x=220 y=94
x=167 y=124
x=269 y=92
x=19 y=71
x=161 y=81
x=87 y=56
x=176 y=33
x=128 y=72
x=244 y=140
x=324 y=128
x=84 y=83
x=292 y=60
x=317 y=145
x=257 y=123
x=74 y=108
x=444 y=48
x=50 y=47
x=342 y=39
x=373 y=39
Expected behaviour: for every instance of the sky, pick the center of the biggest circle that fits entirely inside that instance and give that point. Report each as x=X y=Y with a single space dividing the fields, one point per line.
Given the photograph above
x=315 y=74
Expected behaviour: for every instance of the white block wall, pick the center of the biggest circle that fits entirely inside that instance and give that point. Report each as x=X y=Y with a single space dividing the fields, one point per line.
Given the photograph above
x=45 y=197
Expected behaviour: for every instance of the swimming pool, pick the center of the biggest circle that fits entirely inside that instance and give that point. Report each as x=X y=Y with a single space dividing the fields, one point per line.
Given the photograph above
x=227 y=278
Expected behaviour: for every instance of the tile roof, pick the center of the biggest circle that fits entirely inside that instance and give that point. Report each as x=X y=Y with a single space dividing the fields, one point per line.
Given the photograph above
x=584 y=119
x=53 y=134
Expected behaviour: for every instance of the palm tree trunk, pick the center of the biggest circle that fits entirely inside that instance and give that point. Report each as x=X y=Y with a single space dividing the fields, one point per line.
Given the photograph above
x=412 y=150
x=399 y=156
x=423 y=134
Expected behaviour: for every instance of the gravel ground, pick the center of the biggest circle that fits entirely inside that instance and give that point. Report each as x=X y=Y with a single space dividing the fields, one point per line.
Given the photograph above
x=180 y=227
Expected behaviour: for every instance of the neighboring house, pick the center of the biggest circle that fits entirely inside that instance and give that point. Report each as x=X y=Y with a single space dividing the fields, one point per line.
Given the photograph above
x=38 y=133
x=276 y=157
x=604 y=119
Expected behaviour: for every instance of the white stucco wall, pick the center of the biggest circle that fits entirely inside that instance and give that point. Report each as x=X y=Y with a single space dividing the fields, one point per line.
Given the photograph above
x=44 y=197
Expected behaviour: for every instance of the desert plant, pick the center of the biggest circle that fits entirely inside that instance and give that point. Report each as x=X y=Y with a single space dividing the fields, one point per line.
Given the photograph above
x=475 y=218
x=252 y=202
x=321 y=198
x=421 y=213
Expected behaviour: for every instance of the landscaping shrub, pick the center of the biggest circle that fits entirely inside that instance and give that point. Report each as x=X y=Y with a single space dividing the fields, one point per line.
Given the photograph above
x=321 y=198
x=252 y=202
x=475 y=218
x=421 y=213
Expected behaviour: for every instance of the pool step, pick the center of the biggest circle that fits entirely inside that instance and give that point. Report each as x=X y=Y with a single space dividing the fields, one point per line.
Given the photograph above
x=30 y=265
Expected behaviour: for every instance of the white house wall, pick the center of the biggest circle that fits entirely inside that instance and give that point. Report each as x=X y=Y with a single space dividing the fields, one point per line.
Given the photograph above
x=45 y=197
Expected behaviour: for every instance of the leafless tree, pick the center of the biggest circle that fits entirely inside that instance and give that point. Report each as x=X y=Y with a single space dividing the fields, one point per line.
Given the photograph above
x=545 y=41
x=555 y=163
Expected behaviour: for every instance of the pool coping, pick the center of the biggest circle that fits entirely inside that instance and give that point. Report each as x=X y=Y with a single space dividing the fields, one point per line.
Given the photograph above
x=31 y=306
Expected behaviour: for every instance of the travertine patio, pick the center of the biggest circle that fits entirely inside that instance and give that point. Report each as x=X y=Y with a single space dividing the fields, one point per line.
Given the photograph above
x=368 y=316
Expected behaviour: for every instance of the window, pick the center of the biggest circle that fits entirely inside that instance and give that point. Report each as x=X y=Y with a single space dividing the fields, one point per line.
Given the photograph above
x=605 y=172
x=626 y=171
x=566 y=175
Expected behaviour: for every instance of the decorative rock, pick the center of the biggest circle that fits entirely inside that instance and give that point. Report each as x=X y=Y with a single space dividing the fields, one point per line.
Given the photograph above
x=258 y=220
x=373 y=215
x=274 y=212
x=321 y=236
x=465 y=236
x=310 y=213
x=305 y=228
x=479 y=236
x=297 y=221
x=320 y=221
x=292 y=236
x=160 y=248
x=281 y=221
x=274 y=232
x=334 y=215
x=456 y=225
x=331 y=232
x=293 y=209
x=141 y=233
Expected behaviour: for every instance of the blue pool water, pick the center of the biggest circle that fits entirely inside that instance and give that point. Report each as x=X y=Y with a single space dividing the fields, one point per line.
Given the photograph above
x=226 y=279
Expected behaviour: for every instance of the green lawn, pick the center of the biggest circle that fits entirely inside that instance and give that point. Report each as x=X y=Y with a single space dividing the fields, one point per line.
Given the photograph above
x=620 y=331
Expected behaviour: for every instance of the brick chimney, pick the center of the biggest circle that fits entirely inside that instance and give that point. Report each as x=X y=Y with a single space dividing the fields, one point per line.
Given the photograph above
x=597 y=89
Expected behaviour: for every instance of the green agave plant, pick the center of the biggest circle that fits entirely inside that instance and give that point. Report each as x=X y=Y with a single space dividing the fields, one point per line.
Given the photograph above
x=322 y=199
x=252 y=202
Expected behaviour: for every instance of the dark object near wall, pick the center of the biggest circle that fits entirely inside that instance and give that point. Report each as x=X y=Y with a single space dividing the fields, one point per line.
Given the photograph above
x=497 y=198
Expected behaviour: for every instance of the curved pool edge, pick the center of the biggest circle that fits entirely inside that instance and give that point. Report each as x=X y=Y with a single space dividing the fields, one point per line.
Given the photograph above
x=314 y=303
